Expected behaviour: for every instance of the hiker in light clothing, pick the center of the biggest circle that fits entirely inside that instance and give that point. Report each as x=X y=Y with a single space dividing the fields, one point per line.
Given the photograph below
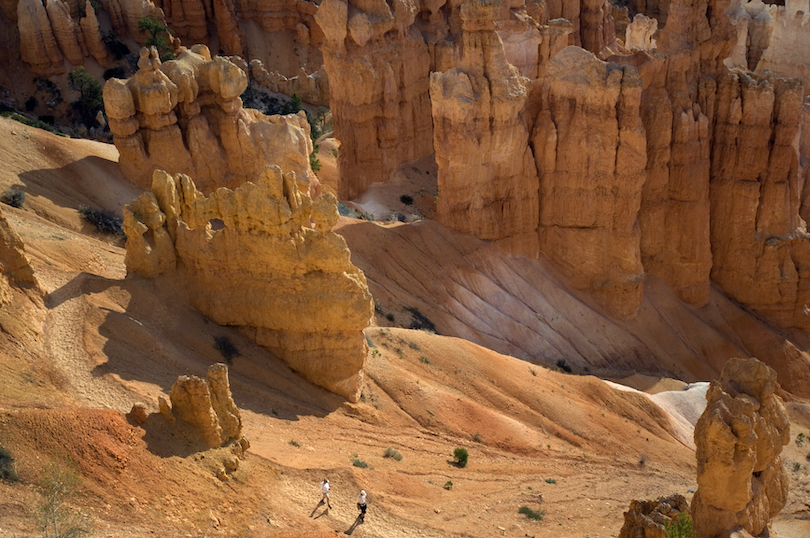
x=361 y=504
x=325 y=492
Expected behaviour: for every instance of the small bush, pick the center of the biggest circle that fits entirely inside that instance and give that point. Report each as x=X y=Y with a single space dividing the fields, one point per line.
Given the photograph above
x=105 y=221
x=390 y=317
x=531 y=514
x=115 y=72
x=460 y=456
x=476 y=437
x=7 y=471
x=295 y=443
x=314 y=162
x=420 y=321
x=796 y=466
x=424 y=359
x=562 y=365
x=800 y=439
x=680 y=527
x=550 y=481
x=414 y=345
x=226 y=348
x=448 y=485
x=405 y=199
x=391 y=453
x=58 y=482
x=14 y=197
x=335 y=153
x=359 y=463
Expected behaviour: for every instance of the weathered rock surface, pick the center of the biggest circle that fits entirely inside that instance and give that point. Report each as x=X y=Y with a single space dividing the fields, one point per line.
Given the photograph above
x=590 y=148
x=38 y=46
x=293 y=288
x=639 y=34
x=739 y=439
x=648 y=519
x=185 y=116
x=759 y=241
x=207 y=405
x=311 y=88
x=487 y=176
x=15 y=267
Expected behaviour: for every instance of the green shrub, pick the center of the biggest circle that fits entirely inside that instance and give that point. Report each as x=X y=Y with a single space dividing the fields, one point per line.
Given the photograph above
x=460 y=456
x=680 y=527
x=13 y=197
x=424 y=359
x=7 y=471
x=58 y=482
x=448 y=485
x=359 y=463
x=90 y=99
x=295 y=443
x=550 y=481
x=391 y=453
x=226 y=348
x=104 y=220
x=529 y=513
x=115 y=72
x=390 y=317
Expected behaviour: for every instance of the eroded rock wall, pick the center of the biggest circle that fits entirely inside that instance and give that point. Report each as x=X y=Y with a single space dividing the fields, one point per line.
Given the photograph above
x=185 y=116
x=247 y=257
x=487 y=177
x=590 y=147
x=739 y=440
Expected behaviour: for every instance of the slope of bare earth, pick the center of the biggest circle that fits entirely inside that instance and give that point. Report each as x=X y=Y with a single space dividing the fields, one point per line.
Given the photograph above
x=574 y=447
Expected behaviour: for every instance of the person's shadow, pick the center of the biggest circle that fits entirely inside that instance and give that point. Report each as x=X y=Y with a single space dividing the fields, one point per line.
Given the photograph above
x=358 y=521
x=316 y=509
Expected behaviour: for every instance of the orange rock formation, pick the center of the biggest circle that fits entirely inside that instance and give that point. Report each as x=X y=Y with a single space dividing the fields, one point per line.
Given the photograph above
x=246 y=257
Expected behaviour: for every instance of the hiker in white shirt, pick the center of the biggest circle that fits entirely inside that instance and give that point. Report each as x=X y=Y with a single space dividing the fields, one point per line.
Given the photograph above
x=325 y=492
x=361 y=504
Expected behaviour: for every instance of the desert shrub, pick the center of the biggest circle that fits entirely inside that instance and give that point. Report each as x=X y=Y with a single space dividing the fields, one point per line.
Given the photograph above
x=642 y=460
x=58 y=481
x=800 y=439
x=31 y=103
x=420 y=321
x=391 y=453
x=335 y=153
x=562 y=365
x=7 y=471
x=390 y=317
x=529 y=513
x=680 y=527
x=90 y=100
x=405 y=199
x=226 y=348
x=424 y=360
x=550 y=481
x=104 y=220
x=158 y=34
x=796 y=466
x=414 y=345
x=116 y=47
x=314 y=161
x=460 y=456
x=448 y=485
x=295 y=443
x=359 y=463
x=476 y=437
x=13 y=197
x=115 y=72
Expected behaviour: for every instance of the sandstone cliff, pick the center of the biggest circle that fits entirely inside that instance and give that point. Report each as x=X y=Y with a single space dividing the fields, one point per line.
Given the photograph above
x=487 y=176
x=185 y=116
x=739 y=438
x=292 y=287
x=590 y=186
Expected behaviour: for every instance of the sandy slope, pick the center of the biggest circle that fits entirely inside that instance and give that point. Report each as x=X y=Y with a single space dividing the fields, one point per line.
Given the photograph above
x=571 y=446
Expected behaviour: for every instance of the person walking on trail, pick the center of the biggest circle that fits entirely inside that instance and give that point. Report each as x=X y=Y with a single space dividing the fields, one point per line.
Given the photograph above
x=325 y=493
x=361 y=504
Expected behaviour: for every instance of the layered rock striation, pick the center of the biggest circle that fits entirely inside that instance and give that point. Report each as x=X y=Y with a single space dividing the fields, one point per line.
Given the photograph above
x=739 y=439
x=246 y=257
x=185 y=116
x=590 y=147
x=487 y=177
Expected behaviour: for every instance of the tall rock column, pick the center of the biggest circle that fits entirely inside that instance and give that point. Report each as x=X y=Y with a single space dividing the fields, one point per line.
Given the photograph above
x=487 y=176
x=590 y=148
x=759 y=241
x=379 y=81
x=739 y=439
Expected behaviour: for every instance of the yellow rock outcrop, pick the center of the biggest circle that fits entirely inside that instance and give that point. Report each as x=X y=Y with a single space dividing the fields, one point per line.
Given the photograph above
x=246 y=257
x=739 y=439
